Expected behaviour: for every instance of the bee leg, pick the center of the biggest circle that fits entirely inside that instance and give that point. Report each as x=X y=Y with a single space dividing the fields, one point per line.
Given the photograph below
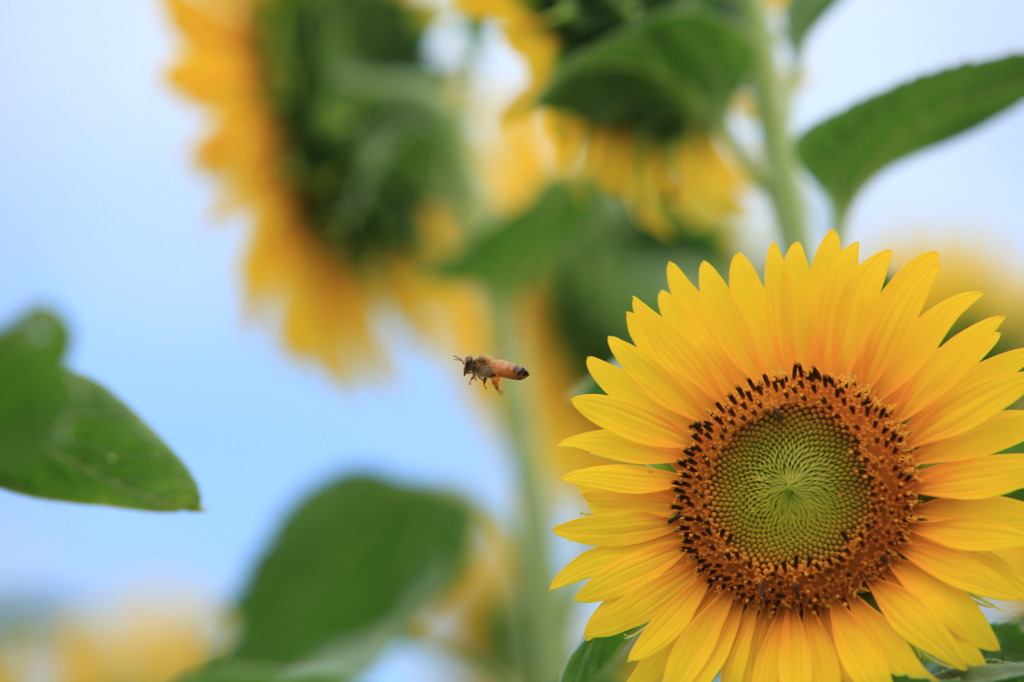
x=494 y=382
x=471 y=377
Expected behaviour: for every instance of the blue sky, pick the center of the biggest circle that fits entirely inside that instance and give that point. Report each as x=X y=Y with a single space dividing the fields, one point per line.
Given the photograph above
x=104 y=219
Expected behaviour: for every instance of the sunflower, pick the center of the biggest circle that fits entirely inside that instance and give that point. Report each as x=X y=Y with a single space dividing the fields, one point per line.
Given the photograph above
x=663 y=177
x=807 y=483
x=340 y=147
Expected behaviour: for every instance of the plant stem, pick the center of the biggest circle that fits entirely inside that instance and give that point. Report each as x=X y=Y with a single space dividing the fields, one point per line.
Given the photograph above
x=772 y=99
x=537 y=616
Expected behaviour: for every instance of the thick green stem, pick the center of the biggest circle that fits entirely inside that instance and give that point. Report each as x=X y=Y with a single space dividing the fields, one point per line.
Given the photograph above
x=538 y=615
x=772 y=98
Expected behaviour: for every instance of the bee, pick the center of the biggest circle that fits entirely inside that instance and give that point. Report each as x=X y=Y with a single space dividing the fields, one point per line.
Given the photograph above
x=484 y=367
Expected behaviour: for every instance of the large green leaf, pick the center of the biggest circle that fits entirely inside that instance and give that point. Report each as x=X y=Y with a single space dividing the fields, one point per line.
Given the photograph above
x=802 y=15
x=345 y=572
x=844 y=152
x=65 y=437
x=598 y=660
x=669 y=73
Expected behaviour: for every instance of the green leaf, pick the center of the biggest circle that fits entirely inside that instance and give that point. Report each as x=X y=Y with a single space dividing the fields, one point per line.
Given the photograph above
x=65 y=437
x=844 y=152
x=669 y=73
x=598 y=660
x=233 y=670
x=528 y=247
x=1011 y=641
x=347 y=570
x=802 y=15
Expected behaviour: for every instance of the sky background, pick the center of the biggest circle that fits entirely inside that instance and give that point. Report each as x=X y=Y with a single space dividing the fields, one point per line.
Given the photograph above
x=104 y=219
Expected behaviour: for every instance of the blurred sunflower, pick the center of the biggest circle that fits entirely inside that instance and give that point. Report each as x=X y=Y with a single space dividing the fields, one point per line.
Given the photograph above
x=329 y=131
x=137 y=641
x=824 y=460
x=635 y=144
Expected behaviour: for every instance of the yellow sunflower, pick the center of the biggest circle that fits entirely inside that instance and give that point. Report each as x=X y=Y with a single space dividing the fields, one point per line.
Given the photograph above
x=663 y=179
x=336 y=143
x=807 y=483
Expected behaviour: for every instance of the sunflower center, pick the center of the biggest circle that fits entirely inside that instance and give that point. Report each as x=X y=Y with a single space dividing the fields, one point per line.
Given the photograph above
x=798 y=491
x=788 y=484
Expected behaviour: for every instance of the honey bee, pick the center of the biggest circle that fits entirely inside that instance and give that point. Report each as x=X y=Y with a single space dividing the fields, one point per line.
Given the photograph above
x=484 y=367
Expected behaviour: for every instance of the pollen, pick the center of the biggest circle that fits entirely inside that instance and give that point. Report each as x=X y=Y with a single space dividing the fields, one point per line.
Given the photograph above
x=798 y=491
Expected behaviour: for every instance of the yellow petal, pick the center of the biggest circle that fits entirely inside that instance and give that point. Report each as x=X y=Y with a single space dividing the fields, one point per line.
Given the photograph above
x=795 y=661
x=623 y=478
x=901 y=302
x=993 y=386
x=585 y=565
x=630 y=573
x=601 y=501
x=724 y=643
x=637 y=607
x=607 y=444
x=922 y=343
x=898 y=654
x=614 y=529
x=859 y=301
x=630 y=422
x=746 y=650
x=593 y=561
x=859 y=655
x=982 y=477
x=671 y=619
x=650 y=669
x=904 y=614
x=733 y=334
x=619 y=384
x=948 y=366
x=1000 y=431
x=994 y=523
x=662 y=384
x=823 y=650
x=714 y=625
x=981 y=573
x=957 y=610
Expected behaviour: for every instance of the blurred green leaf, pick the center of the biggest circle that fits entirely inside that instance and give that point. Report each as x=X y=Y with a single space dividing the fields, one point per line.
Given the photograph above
x=802 y=15
x=251 y=671
x=1011 y=641
x=527 y=248
x=844 y=152
x=598 y=660
x=668 y=73
x=346 y=571
x=65 y=437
